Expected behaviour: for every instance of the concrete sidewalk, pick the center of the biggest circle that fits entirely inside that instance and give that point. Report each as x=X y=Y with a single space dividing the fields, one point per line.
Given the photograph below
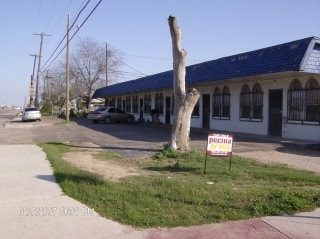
x=33 y=206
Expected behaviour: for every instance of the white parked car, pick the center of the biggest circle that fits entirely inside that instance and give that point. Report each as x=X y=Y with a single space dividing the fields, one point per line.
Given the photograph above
x=31 y=114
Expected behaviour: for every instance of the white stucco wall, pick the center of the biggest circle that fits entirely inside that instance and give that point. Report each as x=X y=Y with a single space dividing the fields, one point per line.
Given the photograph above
x=234 y=124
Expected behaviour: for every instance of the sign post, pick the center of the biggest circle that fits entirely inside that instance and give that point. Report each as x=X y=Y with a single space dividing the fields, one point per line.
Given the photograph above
x=219 y=145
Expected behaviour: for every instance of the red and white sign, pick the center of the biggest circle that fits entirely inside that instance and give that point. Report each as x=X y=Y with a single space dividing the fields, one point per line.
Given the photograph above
x=219 y=145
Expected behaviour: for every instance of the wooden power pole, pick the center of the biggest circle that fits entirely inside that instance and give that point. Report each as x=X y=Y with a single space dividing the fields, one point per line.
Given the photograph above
x=39 y=64
x=67 y=71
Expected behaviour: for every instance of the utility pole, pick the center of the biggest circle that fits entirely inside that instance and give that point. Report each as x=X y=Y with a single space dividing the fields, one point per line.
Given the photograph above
x=39 y=64
x=67 y=71
x=32 y=79
x=46 y=83
x=107 y=64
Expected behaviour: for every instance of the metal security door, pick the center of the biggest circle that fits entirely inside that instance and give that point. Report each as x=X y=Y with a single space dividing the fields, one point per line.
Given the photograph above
x=275 y=112
x=206 y=111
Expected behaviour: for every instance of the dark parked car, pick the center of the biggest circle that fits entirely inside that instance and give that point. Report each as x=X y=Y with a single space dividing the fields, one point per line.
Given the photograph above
x=109 y=115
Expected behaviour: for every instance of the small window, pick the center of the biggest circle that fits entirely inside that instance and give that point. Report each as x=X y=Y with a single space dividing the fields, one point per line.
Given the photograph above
x=316 y=47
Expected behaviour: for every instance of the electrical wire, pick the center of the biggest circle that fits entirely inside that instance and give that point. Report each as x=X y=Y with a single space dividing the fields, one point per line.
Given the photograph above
x=64 y=37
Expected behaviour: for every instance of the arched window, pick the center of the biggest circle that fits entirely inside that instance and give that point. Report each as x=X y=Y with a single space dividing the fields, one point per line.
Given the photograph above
x=119 y=101
x=128 y=104
x=295 y=101
x=245 y=102
x=147 y=103
x=312 y=101
x=221 y=103
x=159 y=103
x=257 y=101
x=113 y=102
x=135 y=104
x=226 y=102
x=216 y=103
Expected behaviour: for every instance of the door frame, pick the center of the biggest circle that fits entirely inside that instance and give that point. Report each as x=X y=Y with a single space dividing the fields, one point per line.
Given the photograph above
x=275 y=112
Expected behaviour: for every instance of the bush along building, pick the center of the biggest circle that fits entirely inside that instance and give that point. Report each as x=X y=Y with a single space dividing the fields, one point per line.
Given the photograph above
x=271 y=91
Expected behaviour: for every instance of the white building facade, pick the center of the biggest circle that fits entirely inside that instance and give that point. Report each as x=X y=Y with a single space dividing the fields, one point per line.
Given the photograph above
x=271 y=91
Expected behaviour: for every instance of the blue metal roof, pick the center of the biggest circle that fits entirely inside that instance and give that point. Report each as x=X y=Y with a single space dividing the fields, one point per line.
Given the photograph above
x=274 y=59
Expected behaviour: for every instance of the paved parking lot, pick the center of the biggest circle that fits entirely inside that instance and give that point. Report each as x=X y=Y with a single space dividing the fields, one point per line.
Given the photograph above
x=141 y=140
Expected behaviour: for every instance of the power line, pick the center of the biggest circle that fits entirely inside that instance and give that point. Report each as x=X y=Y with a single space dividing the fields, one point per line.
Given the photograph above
x=65 y=35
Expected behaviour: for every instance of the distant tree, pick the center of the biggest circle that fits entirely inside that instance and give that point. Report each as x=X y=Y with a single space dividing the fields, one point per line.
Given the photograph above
x=56 y=97
x=88 y=68
x=184 y=102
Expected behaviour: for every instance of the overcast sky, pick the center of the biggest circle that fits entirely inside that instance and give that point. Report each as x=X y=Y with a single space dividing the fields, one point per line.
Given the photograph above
x=139 y=30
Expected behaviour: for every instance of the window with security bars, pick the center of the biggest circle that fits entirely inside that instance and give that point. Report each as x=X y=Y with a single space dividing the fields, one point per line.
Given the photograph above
x=128 y=104
x=304 y=104
x=112 y=102
x=119 y=101
x=226 y=103
x=312 y=101
x=245 y=102
x=221 y=103
x=147 y=103
x=135 y=104
x=251 y=103
x=216 y=103
x=257 y=101
x=159 y=103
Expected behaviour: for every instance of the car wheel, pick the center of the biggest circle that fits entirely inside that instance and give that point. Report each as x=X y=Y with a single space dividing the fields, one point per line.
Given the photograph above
x=130 y=120
x=107 y=120
x=95 y=121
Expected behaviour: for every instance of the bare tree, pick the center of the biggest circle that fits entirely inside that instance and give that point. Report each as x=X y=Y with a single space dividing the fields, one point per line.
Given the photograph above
x=88 y=68
x=57 y=90
x=184 y=101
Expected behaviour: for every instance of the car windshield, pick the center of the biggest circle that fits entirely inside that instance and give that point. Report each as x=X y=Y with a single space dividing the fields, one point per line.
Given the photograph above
x=31 y=109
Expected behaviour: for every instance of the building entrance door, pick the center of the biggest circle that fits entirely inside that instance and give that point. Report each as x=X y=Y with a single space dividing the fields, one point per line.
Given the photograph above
x=206 y=111
x=275 y=112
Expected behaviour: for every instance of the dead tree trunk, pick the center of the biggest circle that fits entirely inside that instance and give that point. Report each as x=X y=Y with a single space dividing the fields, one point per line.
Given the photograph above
x=183 y=102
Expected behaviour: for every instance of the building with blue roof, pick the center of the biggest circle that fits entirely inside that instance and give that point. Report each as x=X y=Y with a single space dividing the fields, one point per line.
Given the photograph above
x=270 y=91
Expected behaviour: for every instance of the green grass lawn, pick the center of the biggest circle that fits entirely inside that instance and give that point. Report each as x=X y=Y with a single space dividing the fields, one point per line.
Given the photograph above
x=176 y=192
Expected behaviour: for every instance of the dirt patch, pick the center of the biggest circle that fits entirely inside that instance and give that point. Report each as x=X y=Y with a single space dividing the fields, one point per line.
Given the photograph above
x=83 y=158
